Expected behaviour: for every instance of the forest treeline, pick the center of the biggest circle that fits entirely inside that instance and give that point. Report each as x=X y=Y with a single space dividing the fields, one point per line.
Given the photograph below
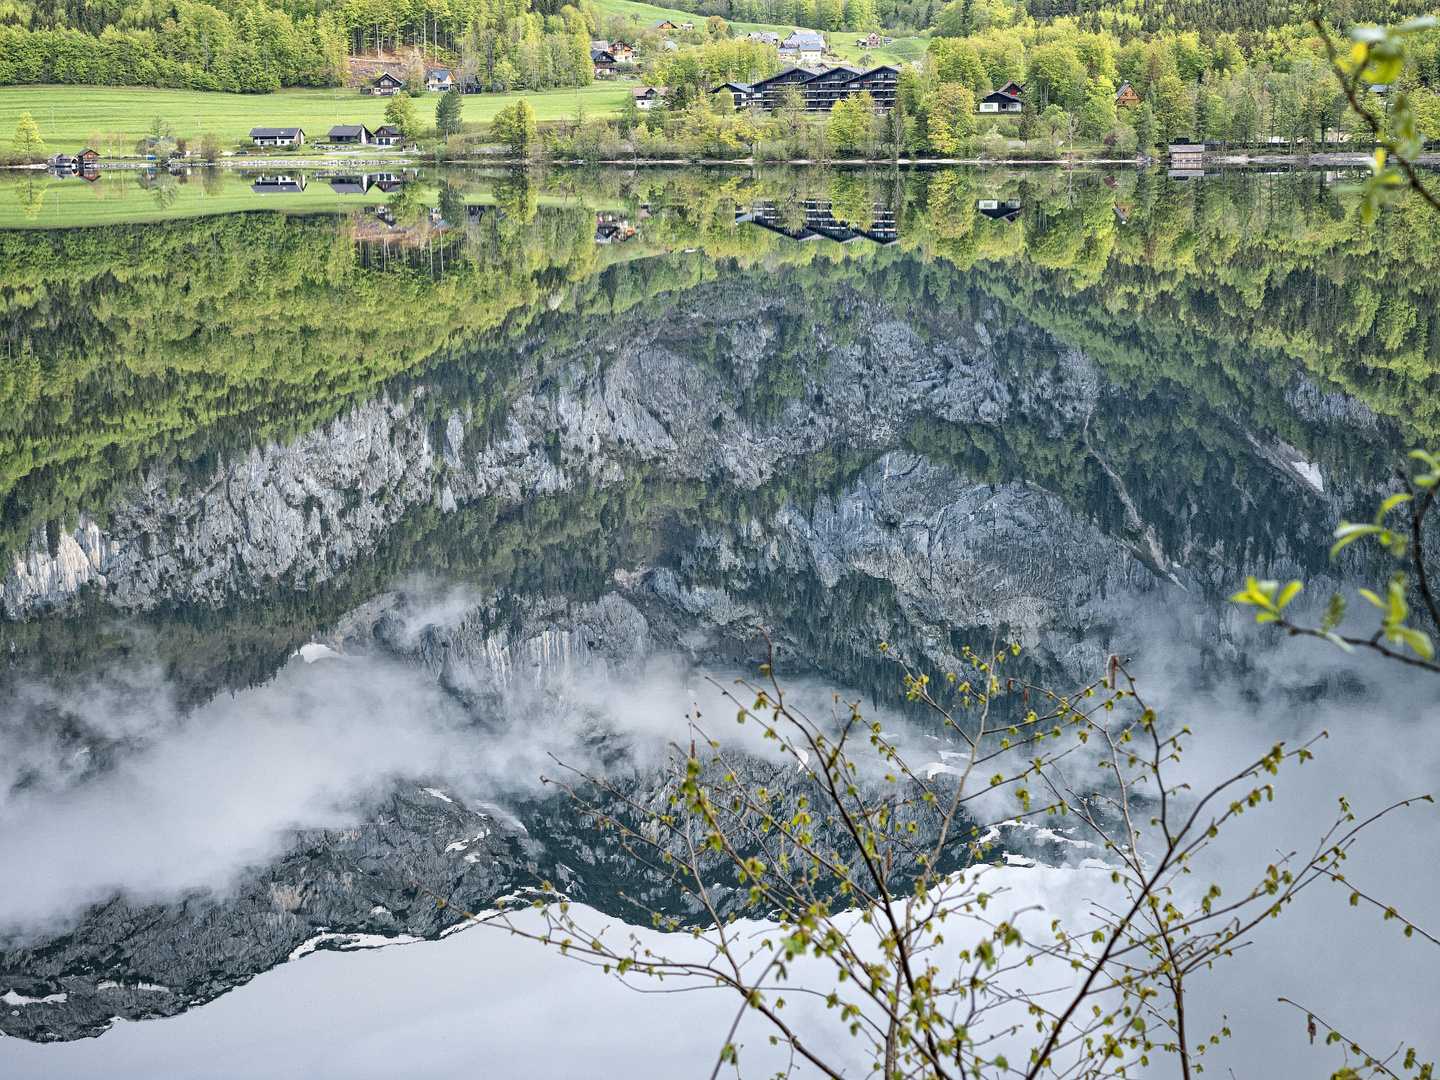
x=1068 y=52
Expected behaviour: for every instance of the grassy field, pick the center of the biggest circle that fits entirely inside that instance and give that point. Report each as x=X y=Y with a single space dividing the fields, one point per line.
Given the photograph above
x=842 y=42
x=80 y=111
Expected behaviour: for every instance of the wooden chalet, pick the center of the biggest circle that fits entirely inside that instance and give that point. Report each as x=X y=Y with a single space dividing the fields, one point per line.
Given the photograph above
x=439 y=80
x=1004 y=100
x=604 y=61
x=277 y=136
x=1126 y=95
x=386 y=135
x=623 y=54
x=663 y=24
x=386 y=85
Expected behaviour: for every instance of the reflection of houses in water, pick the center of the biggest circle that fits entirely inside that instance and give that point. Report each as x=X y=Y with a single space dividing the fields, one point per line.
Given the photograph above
x=1006 y=210
x=280 y=184
x=85 y=165
x=387 y=182
x=611 y=227
x=820 y=221
x=351 y=184
x=1123 y=213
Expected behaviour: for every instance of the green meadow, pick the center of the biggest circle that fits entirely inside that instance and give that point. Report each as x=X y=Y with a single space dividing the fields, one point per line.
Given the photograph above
x=841 y=41
x=70 y=116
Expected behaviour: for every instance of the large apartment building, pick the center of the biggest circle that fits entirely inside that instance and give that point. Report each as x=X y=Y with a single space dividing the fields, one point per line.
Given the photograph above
x=823 y=87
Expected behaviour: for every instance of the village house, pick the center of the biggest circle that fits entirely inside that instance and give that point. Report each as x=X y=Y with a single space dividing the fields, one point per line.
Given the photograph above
x=764 y=37
x=663 y=24
x=349 y=135
x=1004 y=100
x=803 y=47
x=386 y=85
x=278 y=136
x=1126 y=95
x=823 y=87
x=622 y=53
x=873 y=41
x=744 y=94
x=687 y=26
x=646 y=97
x=604 y=62
x=386 y=135
x=439 y=80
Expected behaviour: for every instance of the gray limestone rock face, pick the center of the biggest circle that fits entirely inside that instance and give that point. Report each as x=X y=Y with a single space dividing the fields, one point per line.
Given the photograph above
x=334 y=889
x=600 y=412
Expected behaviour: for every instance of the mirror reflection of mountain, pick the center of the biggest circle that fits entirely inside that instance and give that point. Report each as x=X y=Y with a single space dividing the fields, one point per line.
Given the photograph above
x=646 y=433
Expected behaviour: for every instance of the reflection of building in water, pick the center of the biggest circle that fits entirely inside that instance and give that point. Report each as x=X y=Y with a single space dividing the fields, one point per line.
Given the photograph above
x=278 y=185
x=387 y=181
x=85 y=165
x=999 y=209
x=351 y=184
x=611 y=227
x=820 y=221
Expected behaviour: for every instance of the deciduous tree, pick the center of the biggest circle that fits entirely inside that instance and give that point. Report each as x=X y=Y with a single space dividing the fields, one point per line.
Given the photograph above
x=26 y=142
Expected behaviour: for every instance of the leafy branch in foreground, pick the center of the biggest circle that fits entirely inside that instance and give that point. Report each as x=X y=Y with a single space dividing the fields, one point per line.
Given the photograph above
x=1368 y=1065
x=1376 y=59
x=834 y=868
x=1401 y=542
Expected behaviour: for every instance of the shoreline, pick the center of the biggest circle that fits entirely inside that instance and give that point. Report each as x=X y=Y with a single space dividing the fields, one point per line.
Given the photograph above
x=416 y=160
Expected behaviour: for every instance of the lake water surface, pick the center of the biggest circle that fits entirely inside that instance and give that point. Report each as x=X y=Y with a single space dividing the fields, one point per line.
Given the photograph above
x=335 y=510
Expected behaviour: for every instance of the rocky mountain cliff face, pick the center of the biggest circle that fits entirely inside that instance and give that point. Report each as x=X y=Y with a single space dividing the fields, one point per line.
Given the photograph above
x=673 y=397
x=904 y=548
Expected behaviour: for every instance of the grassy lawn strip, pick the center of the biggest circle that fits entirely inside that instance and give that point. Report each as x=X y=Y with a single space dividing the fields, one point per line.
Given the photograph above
x=79 y=111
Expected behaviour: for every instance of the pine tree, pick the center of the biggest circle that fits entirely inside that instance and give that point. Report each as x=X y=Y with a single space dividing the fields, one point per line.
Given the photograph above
x=27 y=143
x=447 y=112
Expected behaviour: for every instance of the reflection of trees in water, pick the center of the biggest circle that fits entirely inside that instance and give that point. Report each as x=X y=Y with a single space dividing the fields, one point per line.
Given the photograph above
x=163 y=188
x=212 y=180
x=30 y=196
x=852 y=200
